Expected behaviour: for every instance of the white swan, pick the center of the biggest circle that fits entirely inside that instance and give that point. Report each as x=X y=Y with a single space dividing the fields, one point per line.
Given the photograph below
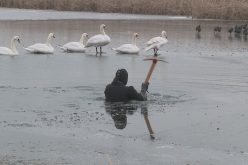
x=12 y=50
x=156 y=42
x=99 y=40
x=76 y=46
x=42 y=48
x=128 y=48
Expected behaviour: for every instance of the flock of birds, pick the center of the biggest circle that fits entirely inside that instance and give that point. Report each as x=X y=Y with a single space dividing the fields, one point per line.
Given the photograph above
x=97 y=41
x=238 y=30
x=102 y=39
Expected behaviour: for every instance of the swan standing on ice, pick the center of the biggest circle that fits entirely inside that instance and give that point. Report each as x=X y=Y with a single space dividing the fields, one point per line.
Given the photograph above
x=128 y=48
x=12 y=50
x=99 y=40
x=42 y=48
x=156 y=42
x=76 y=46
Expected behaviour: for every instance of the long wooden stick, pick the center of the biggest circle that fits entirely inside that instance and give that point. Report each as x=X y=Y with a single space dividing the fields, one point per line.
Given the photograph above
x=154 y=62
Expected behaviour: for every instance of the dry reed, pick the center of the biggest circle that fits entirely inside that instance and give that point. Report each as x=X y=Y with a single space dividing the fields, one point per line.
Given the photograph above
x=213 y=9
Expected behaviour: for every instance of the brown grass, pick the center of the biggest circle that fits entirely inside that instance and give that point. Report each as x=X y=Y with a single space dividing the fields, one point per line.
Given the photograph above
x=213 y=9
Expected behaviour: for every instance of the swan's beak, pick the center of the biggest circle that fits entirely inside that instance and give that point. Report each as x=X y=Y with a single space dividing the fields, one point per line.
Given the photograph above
x=53 y=36
x=19 y=41
x=87 y=36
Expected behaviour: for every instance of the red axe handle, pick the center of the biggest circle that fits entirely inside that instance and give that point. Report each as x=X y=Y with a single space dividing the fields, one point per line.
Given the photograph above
x=154 y=62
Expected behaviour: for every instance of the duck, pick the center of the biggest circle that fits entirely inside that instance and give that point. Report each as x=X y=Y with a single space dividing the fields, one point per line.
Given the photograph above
x=99 y=40
x=245 y=31
x=244 y=26
x=12 y=50
x=198 y=28
x=217 y=29
x=129 y=48
x=230 y=30
x=76 y=46
x=238 y=29
x=40 y=48
x=157 y=42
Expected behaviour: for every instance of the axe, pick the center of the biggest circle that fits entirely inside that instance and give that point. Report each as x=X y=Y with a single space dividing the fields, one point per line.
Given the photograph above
x=154 y=60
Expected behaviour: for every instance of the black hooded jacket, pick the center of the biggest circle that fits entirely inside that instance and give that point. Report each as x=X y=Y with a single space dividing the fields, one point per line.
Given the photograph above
x=117 y=91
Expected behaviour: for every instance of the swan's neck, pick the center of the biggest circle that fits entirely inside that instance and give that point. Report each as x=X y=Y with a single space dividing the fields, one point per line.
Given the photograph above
x=82 y=40
x=102 y=31
x=13 y=46
x=134 y=40
x=163 y=35
x=48 y=42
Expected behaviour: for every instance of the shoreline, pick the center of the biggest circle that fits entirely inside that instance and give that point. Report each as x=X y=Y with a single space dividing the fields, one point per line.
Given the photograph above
x=216 y=9
x=14 y=14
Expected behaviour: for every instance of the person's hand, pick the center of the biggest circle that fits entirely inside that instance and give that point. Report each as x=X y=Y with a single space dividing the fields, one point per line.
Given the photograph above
x=144 y=87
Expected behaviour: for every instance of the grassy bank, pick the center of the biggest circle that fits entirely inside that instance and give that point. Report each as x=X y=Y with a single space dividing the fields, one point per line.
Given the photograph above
x=213 y=9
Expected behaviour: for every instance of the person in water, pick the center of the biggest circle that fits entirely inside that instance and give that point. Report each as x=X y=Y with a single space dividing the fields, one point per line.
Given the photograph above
x=117 y=91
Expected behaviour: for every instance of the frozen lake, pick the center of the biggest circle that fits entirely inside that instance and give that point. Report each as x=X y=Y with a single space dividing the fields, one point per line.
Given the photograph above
x=53 y=110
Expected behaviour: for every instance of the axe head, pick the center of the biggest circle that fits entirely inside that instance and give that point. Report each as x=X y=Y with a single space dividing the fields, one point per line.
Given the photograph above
x=155 y=59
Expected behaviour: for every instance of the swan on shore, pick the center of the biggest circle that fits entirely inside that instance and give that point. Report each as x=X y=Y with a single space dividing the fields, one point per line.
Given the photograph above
x=129 y=48
x=12 y=50
x=40 y=48
x=99 y=40
x=76 y=46
x=157 y=42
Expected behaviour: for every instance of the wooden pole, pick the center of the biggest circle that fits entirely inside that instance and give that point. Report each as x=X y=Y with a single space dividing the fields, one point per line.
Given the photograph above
x=154 y=62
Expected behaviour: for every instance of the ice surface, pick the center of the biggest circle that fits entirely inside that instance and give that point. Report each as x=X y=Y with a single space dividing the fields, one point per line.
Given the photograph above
x=53 y=110
x=28 y=14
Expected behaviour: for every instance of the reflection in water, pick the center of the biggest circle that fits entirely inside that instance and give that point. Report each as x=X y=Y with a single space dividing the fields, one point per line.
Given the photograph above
x=119 y=112
x=198 y=35
x=238 y=36
x=144 y=111
x=245 y=38
x=217 y=36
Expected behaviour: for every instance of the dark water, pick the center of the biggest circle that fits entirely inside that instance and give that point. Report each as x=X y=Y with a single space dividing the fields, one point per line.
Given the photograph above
x=53 y=109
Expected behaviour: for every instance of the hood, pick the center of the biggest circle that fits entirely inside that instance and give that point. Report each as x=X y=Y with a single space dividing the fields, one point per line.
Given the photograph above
x=121 y=76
